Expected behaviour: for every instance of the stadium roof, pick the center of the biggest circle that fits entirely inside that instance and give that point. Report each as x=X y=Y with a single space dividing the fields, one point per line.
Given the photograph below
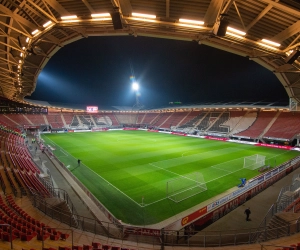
x=34 y=30
x=221 y=106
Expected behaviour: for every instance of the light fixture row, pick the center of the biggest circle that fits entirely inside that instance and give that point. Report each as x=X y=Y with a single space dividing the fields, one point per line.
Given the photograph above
x=182 y=22
x=197 y=24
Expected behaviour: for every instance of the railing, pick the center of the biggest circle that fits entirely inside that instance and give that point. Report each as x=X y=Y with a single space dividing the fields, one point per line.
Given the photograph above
x=274 y=209
x=83 y=223
x=296 y=176
x=295 y=187
x=60 y=194
x=230 y=237
x=55 y=192
x=91 y=196
x=170 y=238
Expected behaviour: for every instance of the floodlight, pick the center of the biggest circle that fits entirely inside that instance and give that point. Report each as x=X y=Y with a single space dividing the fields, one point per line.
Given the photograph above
x=100 y=15
x=143 y=15
x=182 y=20
x=68 y=17
x=35 y=32
x=45 y=25
x=293 y=56
x=135 y=86
x=271 y=43
x=236 y=31
x=23 y=41
x=16 y=54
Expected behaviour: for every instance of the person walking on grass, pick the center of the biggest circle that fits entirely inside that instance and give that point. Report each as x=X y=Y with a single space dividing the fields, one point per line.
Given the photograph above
x=247 y=212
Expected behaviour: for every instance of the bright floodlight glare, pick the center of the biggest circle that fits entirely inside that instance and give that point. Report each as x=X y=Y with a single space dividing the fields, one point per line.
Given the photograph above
x=135 y=86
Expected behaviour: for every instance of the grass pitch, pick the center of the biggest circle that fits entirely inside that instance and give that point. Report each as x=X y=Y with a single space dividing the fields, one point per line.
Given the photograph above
x=128 y=171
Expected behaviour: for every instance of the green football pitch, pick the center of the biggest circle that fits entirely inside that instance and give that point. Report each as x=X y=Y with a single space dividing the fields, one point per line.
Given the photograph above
x=133 y=173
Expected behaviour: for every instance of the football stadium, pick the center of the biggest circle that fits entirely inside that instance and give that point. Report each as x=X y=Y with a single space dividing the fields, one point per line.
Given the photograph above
x=183 y=176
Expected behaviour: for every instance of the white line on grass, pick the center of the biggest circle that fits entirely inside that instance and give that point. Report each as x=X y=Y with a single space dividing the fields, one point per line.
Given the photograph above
x=145 y=205
x=221 y=169
x=239 y=169
x=193 y=155
x=148 y=204
x=186 y=178
x=63 y=152
x=63 y=156
x=277 y=155
x=224 y=175
x=171 y=172
x=112 y=185
x=103 y=179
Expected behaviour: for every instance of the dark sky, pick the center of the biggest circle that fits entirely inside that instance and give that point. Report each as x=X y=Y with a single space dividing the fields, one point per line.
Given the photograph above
x=96 y=71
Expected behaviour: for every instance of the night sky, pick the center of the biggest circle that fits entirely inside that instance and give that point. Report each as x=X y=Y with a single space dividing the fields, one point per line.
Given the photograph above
x=97 y=70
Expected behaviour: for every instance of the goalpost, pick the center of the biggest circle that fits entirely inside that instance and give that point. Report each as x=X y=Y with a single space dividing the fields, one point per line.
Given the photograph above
x=186 y=186
x=254 y=161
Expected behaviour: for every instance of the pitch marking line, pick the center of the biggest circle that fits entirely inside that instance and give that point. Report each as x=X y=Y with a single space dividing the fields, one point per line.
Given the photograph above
x=112 y=185
x=151 y=164
x=193 y=155
x=171 y=172
x=104 y=180
x=222 y=169
x=188 y=178
x=63 y=152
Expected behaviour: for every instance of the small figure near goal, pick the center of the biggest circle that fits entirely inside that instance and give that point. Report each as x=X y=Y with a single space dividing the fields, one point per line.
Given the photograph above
x=243 y=182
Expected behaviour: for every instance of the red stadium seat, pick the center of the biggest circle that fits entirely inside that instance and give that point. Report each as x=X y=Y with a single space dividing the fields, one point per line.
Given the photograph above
x=87 y=247
x=106 y=247
x=54 y=237
x=43 y=237
x=64 y=236
x=64 y=248
x=77 y=248
x=96 y=245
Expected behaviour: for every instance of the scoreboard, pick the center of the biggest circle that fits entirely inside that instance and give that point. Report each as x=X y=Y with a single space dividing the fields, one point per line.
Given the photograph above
x=92 y=109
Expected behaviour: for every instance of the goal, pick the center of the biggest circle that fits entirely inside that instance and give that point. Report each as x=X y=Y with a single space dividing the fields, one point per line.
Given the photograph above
x=185 y=186
x=254 y=161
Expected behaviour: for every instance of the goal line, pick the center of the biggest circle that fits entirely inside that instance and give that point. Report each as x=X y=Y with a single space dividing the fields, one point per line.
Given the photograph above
x=185 y=186
x=254 y=161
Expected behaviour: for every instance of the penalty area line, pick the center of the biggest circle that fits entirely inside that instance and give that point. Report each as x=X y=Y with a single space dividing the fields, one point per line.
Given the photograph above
x=112 y=185
x=205 y=182
x=103 y=179
x=224 y=175
x=222 y=169
x=151 y=164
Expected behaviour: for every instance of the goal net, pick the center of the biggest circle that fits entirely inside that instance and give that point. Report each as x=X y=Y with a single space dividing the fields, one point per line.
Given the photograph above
x=254 y=161
x=186 y=186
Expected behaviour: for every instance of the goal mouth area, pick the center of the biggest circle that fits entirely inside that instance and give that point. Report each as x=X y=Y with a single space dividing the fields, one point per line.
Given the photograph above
x=186 y=186
x=185 y=194
x=254 y=162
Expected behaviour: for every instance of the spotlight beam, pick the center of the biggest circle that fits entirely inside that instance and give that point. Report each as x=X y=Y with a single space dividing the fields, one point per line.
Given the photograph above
x=135 y=86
